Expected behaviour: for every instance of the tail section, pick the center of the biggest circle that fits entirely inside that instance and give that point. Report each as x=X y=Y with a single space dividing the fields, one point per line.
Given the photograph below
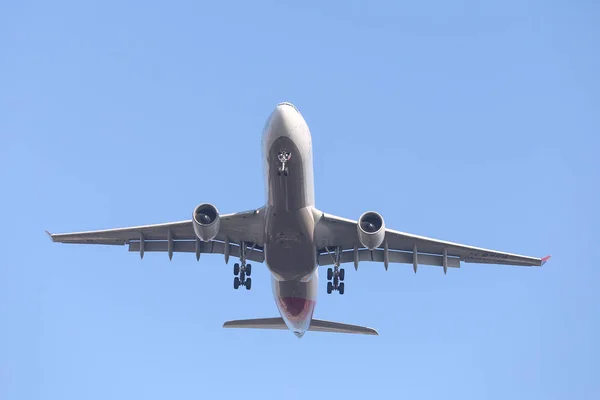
x=316 y=325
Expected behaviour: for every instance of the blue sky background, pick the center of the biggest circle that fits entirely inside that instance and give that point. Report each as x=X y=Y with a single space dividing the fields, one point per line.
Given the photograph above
x=468 y=121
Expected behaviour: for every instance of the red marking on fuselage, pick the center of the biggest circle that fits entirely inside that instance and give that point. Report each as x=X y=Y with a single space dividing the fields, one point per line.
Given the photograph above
x=296 y=309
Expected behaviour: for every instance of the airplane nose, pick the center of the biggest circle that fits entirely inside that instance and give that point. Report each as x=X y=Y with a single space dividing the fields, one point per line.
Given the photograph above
x=286 y=121
x=285 y=104
x=282 y=120
x=285 y=112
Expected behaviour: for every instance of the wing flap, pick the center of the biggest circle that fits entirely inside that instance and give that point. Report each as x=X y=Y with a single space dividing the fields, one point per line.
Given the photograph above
x=213 y=247
x=395 y=257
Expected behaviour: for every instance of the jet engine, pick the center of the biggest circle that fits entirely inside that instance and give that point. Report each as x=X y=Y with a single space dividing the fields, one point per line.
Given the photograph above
x=206 y=222
x=371 y=230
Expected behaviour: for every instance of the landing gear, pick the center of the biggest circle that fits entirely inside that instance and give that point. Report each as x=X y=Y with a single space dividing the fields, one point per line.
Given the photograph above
x=284 y=156
x=242 y=273
x=335 y=274
x=283 y=170
x=242 y=270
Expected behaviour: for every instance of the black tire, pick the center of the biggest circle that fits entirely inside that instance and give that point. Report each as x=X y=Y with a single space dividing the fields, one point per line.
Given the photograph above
x=342 y=274
x=248 y=283
x=329 y=287
x=236 y=282
x=286 y=171
x=279 y=171
x=248 y=269
x=341 y=288
x=236 y=269
x=329 y=274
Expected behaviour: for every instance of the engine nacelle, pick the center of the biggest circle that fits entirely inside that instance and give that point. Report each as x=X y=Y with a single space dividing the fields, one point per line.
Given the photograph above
x=371 y=230
x=206 y=222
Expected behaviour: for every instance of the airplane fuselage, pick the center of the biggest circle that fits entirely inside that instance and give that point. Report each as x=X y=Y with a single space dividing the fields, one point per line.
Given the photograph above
x=290 y=251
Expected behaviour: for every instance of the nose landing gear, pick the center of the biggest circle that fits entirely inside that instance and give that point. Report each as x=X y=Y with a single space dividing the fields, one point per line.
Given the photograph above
x=335 y=275
x=284 y=156
x=242 y=271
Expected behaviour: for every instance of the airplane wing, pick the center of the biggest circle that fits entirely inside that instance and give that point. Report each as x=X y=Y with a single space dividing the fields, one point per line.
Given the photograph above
x=179 y=236
x=334 y=232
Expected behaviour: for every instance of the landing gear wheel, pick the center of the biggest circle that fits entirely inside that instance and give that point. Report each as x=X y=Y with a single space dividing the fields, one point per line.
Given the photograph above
x=236 y=282
x=335 y=275
x=248 y=283
x=279 y=171
x=286 y=171
x=248 y=269
x=236 y=269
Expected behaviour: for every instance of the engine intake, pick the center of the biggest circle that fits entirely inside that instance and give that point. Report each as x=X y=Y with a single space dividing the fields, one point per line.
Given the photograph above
x=371 y=230
x=206 y=221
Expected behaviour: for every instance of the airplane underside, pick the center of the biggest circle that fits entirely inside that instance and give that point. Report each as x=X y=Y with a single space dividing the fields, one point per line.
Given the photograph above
x=292 y=237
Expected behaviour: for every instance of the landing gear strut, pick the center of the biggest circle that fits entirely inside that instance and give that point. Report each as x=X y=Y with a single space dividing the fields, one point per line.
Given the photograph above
x=335 y=275
x=284 y=156
x=242 y=271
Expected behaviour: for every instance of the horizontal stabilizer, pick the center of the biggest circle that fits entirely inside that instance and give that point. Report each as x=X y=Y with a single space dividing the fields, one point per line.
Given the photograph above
x=258 y=323
x=316 y=325
x=328 y=326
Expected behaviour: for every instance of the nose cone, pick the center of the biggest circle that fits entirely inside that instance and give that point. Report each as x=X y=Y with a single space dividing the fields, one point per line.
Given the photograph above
x=285 y=121
x=286 y=104
x=284 y=117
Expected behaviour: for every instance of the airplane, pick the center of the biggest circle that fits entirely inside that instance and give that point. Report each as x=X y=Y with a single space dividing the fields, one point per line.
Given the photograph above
x=293 y=237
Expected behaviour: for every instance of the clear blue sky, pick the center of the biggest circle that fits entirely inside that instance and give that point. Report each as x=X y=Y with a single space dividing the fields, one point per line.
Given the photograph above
x=468 y=121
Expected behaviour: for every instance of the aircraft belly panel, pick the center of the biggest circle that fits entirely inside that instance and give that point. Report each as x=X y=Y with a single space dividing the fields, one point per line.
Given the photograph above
x=289 y=249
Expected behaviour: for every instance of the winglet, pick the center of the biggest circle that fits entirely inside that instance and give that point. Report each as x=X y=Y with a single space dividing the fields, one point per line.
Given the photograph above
x=546 y=259
x=50 y=235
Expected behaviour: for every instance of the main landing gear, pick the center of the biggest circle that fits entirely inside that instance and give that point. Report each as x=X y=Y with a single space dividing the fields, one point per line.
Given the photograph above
x=335 y=275
x=242 y=271
x=284 y=156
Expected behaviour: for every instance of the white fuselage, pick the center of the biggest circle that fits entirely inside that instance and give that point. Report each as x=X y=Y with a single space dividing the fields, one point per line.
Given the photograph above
x=290 y=251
